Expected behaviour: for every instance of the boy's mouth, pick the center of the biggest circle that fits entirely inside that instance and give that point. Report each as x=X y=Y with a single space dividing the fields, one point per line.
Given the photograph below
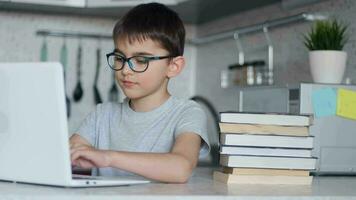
x=128 y=83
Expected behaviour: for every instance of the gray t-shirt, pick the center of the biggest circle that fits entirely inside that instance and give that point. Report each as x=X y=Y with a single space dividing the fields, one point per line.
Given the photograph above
x=116 y=126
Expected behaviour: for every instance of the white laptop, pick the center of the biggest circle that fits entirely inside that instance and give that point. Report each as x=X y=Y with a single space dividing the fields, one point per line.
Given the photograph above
x=34 y=139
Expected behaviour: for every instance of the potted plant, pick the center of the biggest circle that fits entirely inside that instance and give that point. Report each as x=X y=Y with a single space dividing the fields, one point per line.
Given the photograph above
x=327 y=59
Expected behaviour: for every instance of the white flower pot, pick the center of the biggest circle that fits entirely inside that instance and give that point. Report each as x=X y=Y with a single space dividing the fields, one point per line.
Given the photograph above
x=327 y=66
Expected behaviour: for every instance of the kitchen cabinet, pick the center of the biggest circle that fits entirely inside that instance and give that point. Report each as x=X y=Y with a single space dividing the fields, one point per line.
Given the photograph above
x=116 y=3
x=263 y=99
x=334 y=136
x=93 y=3
x=108 y=3
x=334 y=143
x=72 y=3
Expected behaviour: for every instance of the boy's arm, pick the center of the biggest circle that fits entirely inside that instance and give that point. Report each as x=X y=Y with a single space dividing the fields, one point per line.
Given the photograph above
x=175 y=167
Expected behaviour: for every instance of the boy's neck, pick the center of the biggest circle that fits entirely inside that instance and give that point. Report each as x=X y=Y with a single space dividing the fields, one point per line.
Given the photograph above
x=148 y=103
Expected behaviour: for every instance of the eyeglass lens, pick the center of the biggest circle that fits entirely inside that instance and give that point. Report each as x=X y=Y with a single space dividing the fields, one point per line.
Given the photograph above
x=137 y=63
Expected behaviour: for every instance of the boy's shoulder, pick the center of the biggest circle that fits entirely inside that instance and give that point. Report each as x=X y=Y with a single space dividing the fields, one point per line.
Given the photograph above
x=186 y=104
x=107 y=107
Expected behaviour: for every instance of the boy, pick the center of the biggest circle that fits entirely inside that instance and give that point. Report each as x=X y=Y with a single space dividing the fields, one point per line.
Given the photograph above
x=151 y=133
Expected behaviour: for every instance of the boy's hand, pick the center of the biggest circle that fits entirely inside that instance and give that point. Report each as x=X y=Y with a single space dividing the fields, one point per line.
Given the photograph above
x=84 y=155
x=88 y=157
x=76 y=141
x=80 y=162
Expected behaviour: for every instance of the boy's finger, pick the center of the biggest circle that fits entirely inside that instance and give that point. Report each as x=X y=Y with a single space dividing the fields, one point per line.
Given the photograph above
x=83 y=163
x=73 y=146
x=85 y=154
x=78 y=163
x=72 y=150
x=86 y=164
x=75 y=155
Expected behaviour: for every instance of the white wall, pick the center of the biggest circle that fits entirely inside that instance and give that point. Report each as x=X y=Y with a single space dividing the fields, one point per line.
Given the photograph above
x=19 y=43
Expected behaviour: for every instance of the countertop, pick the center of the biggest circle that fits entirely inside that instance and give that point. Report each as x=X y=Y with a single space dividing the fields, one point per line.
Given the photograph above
x=200 y=186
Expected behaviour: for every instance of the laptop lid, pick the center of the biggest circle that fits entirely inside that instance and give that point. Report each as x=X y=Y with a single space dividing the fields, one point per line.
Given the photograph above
x=34 y=144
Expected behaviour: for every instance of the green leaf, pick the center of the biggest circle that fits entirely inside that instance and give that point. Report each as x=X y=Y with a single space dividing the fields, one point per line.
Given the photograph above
x=326 y=35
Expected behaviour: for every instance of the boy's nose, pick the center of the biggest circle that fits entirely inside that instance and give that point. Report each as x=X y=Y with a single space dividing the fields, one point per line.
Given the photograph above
x=126 y=69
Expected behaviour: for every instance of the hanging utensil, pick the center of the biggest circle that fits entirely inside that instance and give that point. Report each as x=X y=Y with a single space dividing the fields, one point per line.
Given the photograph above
x=270 y=56
x=78 y=91
x=241 y=54
x=97 y=96
x=44 y=50
x=113 y=93
x=64 y=60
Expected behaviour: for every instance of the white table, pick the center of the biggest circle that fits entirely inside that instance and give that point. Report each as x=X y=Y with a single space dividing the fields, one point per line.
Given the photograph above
x=201 y=186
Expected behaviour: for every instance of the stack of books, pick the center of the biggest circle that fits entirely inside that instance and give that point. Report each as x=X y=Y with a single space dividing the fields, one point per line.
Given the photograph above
x=261 y=148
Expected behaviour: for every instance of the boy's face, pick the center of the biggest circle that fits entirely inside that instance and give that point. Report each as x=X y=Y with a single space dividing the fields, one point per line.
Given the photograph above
x=152 y=82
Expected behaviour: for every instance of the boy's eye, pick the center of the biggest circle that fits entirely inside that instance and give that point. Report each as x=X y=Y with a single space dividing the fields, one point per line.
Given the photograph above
x=119 y=59
x=141 y=60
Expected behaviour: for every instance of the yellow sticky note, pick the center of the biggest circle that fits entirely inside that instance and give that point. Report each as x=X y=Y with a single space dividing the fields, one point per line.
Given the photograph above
x=346 y=103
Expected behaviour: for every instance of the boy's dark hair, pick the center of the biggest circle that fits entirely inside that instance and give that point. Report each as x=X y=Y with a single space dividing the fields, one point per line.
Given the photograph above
x=152 y=21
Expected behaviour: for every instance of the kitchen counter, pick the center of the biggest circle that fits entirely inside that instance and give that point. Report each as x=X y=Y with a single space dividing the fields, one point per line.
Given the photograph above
x=200 y=186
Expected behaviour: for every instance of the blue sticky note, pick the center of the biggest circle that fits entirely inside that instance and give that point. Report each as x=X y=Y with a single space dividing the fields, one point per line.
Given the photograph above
x=324 y=102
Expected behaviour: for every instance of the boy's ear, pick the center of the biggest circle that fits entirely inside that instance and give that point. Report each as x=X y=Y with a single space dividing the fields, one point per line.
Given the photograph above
x=176 y=66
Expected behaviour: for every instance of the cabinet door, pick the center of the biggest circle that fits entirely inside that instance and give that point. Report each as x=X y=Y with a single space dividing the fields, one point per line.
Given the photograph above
x=334 y=136
x=127 y=3
x=109 y=3
x=75 y=3
x=264 y=100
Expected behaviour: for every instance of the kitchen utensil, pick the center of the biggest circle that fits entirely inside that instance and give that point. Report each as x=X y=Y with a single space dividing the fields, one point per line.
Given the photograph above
x=246 y=73
x=64 y=60
x=78 y=91
x=270 y=56
x=44 y=50
x=255 y=63
x=240 y=51
x=97 y=96
x=113 y=93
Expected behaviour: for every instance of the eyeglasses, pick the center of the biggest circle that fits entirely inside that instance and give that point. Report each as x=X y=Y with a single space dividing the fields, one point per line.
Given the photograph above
x=136 y=63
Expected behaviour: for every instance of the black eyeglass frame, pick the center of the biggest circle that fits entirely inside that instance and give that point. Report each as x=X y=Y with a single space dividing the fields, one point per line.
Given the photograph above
x=126 y=60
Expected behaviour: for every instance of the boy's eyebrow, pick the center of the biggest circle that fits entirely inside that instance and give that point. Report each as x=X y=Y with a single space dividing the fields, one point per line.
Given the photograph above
x=142 y=53
x=118 y=51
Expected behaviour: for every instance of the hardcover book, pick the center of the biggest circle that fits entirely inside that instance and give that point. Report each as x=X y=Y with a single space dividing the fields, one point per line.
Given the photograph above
x=265 y=151
x=266 y=140
x=264 y=129
x=270 y=162
x=266 y=119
